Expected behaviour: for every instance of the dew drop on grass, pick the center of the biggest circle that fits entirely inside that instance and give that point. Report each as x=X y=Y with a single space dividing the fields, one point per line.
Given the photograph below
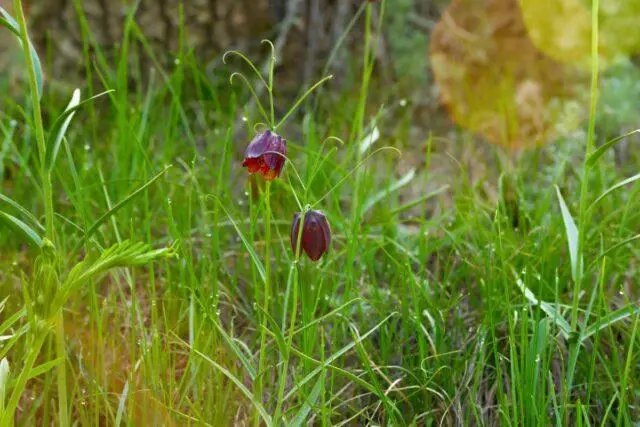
x=246 y=193
x=245 y=119
x=168 y=200
x=176 y=61
x=209 y=234
x=13 y=123
x=403 y=102
x=87 y=147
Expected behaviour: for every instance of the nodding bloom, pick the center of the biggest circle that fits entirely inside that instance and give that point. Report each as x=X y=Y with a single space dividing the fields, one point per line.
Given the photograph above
x=266 y=155
x=316 y=234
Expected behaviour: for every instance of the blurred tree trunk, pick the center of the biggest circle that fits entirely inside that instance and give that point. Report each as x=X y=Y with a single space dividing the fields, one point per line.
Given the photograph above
x=213 y=26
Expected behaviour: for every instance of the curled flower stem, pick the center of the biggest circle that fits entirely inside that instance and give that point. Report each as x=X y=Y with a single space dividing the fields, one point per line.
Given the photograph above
x=248 y=61
x=352 y=171
x=301 y=99
x=253 y=92
x=316 y=169
x=272 y=66
x=292 y=165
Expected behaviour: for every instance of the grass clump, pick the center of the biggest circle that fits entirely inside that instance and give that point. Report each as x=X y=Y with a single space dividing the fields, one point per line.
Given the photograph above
x=449 y=294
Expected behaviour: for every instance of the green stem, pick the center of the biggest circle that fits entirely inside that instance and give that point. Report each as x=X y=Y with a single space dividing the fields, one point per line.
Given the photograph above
x=574 y=349
x=292 y=322
x=48 y=201
x=7 y=416
x=266 y=296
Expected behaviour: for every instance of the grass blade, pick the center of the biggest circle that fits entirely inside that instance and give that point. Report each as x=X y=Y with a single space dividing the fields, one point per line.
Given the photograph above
x=309 y=403
x=237 y=351
x=61 y=125
x=572 y=235
x=548 y=308
x=595 y=156
x=23 y=211
x=27 y=232
x=610 y=319
x=7 y=21
x=335 y=356
x=53 y=146
x=247 y=393
x=94 y=227
x=381 y=195
x=613 y=188
x=4 y=377
x=247 y=245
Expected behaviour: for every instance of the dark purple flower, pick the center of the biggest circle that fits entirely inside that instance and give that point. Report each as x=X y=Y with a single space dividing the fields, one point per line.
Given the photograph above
x=316 y=234
x=266 y=155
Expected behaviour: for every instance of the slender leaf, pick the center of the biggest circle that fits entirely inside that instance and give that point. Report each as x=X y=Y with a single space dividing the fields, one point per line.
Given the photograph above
x=23 y=211
x=27 y=232
x=248 y=366
x=595 y=156
x=53 y=145
x=310 y=402
x=60 y=126
x=247 y=393
x=245 y=241
x=369 y=140
x=335 y=356
x=4 y=379
x=381 y=195
x=546 y=307
x=618 y=245
x=572 y=235
x=609 y=319
x=7 y=21
x=94 y=227
x=613 y=188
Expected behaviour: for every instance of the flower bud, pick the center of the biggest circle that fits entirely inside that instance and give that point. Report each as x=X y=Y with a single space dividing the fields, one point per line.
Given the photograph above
x=316 y=234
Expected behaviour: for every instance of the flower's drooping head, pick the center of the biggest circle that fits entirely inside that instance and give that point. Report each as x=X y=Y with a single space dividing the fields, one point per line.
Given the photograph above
x=316 y=234
x=266 y=155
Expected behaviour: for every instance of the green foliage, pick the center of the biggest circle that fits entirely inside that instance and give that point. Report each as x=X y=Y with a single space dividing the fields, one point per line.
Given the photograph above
x=448 y=295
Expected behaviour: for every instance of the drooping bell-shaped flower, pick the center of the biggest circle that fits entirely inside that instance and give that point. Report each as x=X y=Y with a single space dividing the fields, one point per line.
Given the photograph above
x=266 y=155
x=316 y=234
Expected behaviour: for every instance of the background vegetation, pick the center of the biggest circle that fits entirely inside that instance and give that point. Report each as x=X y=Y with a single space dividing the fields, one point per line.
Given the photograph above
x=465 y=284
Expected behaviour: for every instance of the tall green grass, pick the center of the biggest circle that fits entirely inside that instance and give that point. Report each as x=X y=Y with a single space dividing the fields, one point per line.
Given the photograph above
x=449 y=296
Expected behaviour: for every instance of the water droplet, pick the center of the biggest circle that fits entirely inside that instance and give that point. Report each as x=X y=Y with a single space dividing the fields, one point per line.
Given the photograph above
x=209 y=234
x=87 y=147
x=245 y=119
x=246 y=193
x=403 y=102
x=169 y=200
x=176 y=61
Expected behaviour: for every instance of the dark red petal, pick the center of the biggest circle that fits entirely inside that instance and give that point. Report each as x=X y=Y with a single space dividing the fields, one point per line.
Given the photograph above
x=276 y=152
x=314 y=239
x=326 y=231
x=254 y=164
